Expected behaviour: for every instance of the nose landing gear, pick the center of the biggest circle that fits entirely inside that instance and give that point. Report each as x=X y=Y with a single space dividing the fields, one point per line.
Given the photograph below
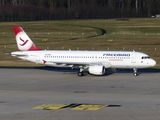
x=135 y=72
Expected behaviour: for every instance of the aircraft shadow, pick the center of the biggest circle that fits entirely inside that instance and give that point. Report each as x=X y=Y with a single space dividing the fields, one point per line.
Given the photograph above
x=75 y=71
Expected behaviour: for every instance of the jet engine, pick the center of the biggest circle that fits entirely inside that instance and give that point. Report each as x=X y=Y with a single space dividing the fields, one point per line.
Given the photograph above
x=96 y=70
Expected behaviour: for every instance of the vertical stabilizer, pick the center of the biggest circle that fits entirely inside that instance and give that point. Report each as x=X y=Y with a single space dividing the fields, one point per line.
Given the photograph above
x=24 y=43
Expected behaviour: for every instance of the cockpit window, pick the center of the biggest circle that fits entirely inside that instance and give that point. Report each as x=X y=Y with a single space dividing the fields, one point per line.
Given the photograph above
x=145 y=57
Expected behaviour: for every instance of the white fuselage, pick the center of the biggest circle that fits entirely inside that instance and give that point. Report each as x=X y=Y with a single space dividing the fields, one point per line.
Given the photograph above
x=108 y=59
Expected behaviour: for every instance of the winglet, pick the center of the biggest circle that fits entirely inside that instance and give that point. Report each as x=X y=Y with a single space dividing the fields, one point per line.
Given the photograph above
x=24 y=43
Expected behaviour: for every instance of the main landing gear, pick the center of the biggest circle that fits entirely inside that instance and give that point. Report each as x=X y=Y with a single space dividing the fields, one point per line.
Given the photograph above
x=135 y=72
x=81 y=73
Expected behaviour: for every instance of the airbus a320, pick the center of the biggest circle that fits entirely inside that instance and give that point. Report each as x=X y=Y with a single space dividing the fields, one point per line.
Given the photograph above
x=94 y=62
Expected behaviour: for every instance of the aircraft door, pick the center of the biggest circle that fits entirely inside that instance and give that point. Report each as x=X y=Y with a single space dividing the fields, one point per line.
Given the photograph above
x=38 y=58
x=133 y=58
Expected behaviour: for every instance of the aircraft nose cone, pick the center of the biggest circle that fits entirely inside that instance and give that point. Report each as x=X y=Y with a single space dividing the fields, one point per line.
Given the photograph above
x=153 y=62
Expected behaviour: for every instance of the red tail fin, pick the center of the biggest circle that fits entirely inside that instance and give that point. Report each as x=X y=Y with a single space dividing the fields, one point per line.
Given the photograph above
x=24 y=43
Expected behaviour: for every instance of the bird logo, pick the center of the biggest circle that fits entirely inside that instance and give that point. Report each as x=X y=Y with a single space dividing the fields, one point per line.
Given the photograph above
x=24 y=42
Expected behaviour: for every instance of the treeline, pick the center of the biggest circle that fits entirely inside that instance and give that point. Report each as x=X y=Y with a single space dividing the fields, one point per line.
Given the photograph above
x=31 y=10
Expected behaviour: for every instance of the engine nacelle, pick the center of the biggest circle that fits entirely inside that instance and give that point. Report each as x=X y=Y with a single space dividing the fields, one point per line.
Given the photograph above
x=96 y=70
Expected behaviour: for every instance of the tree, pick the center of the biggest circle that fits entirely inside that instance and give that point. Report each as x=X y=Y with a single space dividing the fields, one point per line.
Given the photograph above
x=21 y=10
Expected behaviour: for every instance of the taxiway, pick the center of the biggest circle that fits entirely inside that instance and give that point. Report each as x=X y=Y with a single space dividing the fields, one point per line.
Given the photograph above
x=47 y=93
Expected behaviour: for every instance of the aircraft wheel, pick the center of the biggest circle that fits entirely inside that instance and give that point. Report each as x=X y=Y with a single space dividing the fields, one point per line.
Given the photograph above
x=135 y=74
x=80 y=74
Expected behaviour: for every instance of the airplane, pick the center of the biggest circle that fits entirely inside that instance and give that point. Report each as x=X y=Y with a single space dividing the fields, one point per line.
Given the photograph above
x=94 y=62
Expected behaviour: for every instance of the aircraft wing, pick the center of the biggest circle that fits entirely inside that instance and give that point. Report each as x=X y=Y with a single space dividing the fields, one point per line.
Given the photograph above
x=106 y=64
